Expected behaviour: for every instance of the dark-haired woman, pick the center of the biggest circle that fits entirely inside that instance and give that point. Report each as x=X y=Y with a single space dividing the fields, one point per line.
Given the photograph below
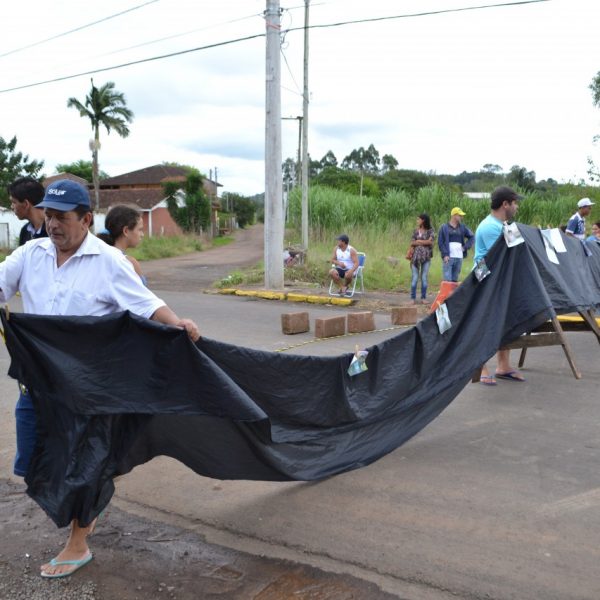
x=124 y=229
x=422 y=242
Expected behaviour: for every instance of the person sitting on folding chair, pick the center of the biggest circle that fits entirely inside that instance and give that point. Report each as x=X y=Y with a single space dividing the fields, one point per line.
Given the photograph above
x=344 y=263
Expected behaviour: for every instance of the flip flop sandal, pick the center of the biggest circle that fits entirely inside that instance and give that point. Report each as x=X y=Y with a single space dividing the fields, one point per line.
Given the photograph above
x=511 y=376
x=76 y=564
x=487 y=380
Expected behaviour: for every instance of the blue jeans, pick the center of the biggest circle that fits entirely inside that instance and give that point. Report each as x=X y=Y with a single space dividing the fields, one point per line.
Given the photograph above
x=424 y=270
x=26 y=433
x=451 y=269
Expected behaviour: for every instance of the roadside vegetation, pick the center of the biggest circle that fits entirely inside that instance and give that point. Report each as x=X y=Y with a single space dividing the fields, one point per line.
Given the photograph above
x=382 y=227
x=165 y=247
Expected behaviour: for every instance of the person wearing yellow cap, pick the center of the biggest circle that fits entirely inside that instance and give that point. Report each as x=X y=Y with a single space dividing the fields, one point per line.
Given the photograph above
x=454 y=240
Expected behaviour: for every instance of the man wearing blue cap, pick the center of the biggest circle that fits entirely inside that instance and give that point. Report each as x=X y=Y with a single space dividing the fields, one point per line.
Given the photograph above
x=72 y=272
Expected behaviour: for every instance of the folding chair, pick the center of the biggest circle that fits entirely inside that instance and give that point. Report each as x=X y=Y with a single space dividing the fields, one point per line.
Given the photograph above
x=362 y=257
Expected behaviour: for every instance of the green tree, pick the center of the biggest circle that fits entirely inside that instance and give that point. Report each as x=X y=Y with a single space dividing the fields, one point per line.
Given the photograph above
x=329 y=160
x=492 y=168
x=362 y=161
x=290 y=170
x=190 y=206
x=14 y=164
x=593 y=169
x=81 y=168
x=404 y=179
x=521 y=178
x=348 y=181
x=388 y=163
x=243 y=207
x=595 y=87
x=107 y=107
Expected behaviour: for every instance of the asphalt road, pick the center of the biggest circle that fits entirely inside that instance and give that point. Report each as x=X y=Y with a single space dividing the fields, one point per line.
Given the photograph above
x=498 y=498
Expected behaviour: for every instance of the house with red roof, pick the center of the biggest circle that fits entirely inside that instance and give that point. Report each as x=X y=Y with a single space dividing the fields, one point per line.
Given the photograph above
x=144 y=189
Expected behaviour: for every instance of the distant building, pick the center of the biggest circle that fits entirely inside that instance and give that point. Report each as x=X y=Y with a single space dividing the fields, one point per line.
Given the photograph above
x=10 y=227
x=52 y=178
x=144 y=189
x=477 y=195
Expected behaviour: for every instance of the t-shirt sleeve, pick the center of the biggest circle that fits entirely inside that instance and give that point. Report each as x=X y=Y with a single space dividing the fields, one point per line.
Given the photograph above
x=572 y=225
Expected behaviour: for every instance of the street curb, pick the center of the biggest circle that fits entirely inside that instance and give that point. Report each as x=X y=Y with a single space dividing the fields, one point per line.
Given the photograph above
x=288 y=296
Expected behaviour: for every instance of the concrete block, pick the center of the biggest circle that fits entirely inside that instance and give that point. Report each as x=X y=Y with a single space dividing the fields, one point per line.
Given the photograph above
x=360 y=321
x=297 y=322
x=404 y=315
x=330 y=327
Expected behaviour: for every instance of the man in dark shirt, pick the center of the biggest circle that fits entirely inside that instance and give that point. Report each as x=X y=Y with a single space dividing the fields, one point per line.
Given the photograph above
x=25 y=194
x=454 y=239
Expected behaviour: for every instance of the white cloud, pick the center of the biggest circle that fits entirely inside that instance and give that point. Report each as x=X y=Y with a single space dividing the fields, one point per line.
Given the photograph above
x=445 y=93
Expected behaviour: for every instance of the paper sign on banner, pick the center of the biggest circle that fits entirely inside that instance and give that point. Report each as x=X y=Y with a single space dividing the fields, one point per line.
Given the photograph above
x=443 y=318
x=550 y=250
x=512 y=235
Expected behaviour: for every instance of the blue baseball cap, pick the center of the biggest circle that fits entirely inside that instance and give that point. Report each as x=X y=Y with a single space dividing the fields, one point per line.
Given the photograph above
x=65 y=195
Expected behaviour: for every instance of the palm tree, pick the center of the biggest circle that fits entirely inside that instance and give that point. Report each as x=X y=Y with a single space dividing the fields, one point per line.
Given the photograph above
x=103 y=106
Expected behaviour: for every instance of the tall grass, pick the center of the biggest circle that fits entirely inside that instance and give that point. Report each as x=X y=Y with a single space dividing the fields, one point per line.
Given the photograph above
x=382 y=227
x=165 y=247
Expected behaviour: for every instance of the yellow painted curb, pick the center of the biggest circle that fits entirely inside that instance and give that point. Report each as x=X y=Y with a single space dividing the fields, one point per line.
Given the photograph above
x=290 y=296
x=271 y=295
x=574 y=319
x=297 y=297
x=341 y=301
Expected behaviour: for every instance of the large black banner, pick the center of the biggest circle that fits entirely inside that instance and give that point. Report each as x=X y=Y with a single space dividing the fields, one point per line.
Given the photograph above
x=113 y=392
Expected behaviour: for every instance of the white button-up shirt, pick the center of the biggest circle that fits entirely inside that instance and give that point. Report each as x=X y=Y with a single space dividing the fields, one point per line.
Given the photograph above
x=96 y=280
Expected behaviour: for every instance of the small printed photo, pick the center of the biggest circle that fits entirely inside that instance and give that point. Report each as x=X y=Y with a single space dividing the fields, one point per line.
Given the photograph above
x=512 y=235
x=481 y=270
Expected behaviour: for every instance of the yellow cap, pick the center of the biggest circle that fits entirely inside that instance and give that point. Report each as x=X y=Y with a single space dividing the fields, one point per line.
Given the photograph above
x=457 y=211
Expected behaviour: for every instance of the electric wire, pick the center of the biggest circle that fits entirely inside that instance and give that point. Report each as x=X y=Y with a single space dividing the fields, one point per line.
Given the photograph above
x=421 y=14
x=178 y=35
x=260 y=35
x=133 y=62
x=59 y=35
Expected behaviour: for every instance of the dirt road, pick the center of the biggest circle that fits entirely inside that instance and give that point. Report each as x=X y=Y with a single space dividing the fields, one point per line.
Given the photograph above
x=199 y=270
x=138 y=558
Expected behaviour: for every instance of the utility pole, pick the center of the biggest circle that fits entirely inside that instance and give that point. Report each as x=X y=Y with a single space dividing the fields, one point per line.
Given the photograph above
x=305 y=134
x=273 y=177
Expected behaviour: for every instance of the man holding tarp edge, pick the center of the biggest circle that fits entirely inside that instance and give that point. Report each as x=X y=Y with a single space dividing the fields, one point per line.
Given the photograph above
x=74 y=273
x=504 y=204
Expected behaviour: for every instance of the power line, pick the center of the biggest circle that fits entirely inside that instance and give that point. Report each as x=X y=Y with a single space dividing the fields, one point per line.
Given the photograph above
x=422 y=14
x=178 y=35
x=134 y=62
x=59 y=35
x=285 y=60
x=259 y=35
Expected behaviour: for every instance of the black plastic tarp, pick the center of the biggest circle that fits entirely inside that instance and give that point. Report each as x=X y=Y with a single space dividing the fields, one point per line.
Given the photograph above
x=113 y=392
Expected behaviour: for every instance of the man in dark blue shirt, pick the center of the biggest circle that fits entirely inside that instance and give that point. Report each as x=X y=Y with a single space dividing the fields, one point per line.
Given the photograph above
x=454 y=239
x=25 y=194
